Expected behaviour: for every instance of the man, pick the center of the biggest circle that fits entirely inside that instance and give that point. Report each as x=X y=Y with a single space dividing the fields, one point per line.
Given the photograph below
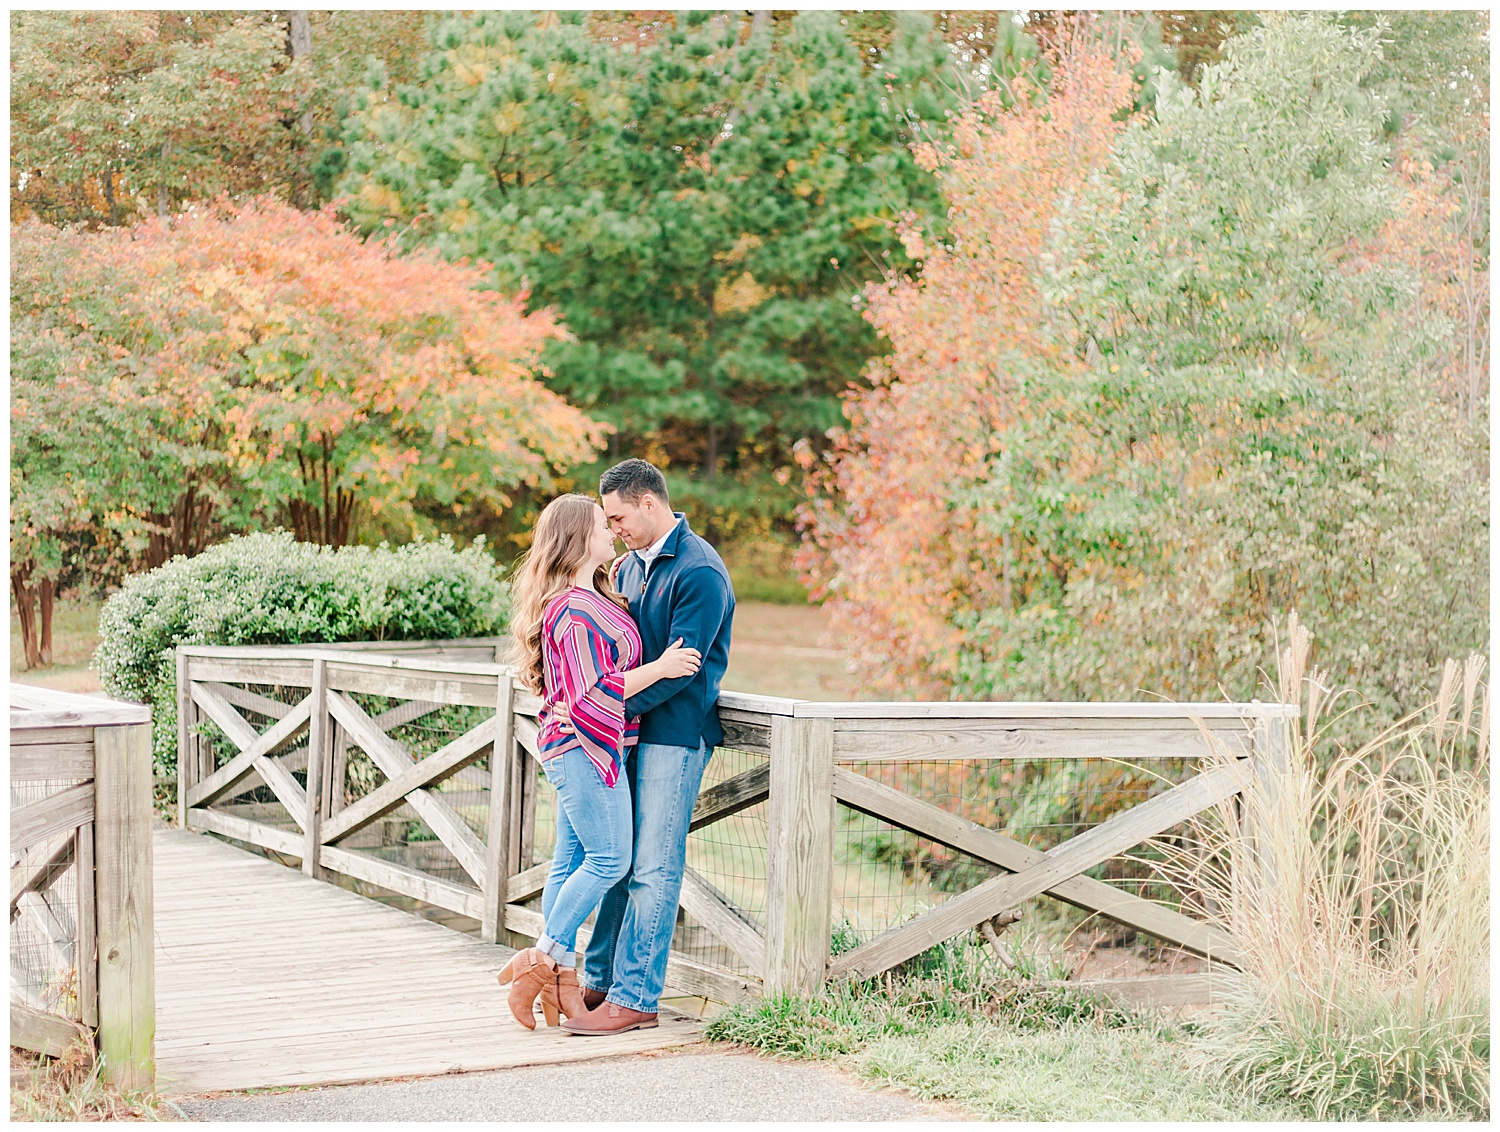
x=677 y=587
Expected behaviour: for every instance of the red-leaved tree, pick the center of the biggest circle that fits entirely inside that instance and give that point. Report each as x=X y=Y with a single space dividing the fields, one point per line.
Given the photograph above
x=897 y=563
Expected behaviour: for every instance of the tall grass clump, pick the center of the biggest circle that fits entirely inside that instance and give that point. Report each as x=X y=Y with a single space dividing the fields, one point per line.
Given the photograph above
x=1356 y=883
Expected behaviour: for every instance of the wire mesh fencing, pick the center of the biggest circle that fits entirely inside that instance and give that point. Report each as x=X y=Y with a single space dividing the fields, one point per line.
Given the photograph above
x=882 y=874
x=45 y=937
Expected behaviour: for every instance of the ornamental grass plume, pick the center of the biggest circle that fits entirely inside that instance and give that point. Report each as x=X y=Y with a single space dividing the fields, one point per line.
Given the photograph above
x=1356 y=885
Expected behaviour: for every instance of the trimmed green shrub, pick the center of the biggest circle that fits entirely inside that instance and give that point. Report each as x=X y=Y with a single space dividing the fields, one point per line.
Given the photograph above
x=270 y=589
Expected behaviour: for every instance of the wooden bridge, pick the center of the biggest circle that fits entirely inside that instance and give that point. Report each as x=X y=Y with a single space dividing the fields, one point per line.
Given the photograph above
x=407 y=772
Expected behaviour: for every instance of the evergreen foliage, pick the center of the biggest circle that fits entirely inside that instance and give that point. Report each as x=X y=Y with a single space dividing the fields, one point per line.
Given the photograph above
x=700 y=209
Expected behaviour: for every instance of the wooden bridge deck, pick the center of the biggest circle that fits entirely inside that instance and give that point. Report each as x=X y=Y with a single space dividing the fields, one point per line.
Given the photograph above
x=265 y=977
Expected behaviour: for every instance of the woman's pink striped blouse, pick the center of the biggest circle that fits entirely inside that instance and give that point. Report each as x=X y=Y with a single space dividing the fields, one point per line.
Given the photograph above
x=589 y=644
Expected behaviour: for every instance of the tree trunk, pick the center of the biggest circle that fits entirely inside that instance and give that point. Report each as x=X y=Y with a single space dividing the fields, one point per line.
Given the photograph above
x=163 y=208
x=109 y=198
x=48 y=588
x=299 y=45
x=26 y=608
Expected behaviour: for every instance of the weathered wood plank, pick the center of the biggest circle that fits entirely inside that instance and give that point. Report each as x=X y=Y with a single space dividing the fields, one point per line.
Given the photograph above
x=430 y=771
x=187 y=763
x=451 y=829
x=39 y=875
x=123 y=885
x=235 y=1015
x=287 y=789
x=109 y=713
x=87 y=957
x=881 y=801
x=55 y=925
x=252 y=701
x=527 y=735
x=241 y=829
x=31 y=736
x=42 y=762
x=54 y=814
x=799 y=855
x=218 y=709
x=1066 y=860
x=405 y=713
x=1033 y=711
x=1232 y=725
x=46 y=1034
x=524 y=885
x=760 y=705
x=408 y=882
x=898 y=744
x=749 y=788
x=221 y=781
x=746 y=731
x=1198 y=989
x=709 y=906
x=267 y=668
x=436 y=687
x=498 y=866
x=318 y=758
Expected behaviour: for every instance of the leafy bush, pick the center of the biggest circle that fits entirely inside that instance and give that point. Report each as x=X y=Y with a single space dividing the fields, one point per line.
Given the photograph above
x=270 y=589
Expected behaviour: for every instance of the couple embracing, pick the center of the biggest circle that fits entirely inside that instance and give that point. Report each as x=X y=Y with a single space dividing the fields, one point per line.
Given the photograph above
x=623 y=739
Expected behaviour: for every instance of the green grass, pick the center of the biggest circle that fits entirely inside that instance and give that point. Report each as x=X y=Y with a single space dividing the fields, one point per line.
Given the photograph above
x=1031 y=1052
x=952 y=1025
x=75 y=636
x=1073 y=1071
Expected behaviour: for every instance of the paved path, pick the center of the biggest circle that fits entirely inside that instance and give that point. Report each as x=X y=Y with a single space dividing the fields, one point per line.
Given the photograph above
x=265 y=977
x=687 y=1086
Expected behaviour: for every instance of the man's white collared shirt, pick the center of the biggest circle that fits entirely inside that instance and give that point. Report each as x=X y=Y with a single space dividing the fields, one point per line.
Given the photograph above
x=649 y=554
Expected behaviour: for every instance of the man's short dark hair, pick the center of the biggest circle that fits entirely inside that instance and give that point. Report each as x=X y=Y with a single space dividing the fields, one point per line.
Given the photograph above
x=631 y=479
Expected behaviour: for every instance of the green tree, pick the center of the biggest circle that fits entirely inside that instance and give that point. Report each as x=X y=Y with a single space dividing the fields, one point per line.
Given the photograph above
x=700 y=208
x=116 y=115
x=1239 y=432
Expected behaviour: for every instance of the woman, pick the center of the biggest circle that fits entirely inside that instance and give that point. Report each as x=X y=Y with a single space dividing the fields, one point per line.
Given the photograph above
x=576 y=644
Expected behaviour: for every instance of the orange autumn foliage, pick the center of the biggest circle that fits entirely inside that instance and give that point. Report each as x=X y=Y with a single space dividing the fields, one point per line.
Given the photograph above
x=323 y=371
x=897 y=565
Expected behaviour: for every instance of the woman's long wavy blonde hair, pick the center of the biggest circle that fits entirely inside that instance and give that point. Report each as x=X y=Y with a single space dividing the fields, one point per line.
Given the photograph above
x=559 y=546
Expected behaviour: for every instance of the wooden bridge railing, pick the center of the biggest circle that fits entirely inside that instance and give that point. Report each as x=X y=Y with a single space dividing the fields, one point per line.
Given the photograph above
x=82 y=959
x=293 y=721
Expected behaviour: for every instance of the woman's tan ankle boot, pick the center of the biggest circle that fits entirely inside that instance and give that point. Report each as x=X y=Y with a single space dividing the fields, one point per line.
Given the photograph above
x=529 y=973
x=569 y=993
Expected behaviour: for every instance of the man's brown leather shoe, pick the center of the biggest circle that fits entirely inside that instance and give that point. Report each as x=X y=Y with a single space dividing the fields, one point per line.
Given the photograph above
x=610 y=1018
x=592 y=997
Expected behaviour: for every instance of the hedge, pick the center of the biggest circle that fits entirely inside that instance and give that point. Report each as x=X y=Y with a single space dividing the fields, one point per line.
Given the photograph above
x=270 y=589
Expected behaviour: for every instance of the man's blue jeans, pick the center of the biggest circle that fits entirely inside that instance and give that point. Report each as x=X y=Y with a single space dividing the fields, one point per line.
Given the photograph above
x=593 y=845
x=627 y=954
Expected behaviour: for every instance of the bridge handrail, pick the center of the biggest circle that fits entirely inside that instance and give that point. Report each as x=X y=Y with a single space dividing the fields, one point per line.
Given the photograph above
x=81 y=769
x=813 y=749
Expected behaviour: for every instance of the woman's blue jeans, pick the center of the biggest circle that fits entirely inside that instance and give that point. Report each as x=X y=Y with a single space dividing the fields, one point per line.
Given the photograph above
x=594 y=831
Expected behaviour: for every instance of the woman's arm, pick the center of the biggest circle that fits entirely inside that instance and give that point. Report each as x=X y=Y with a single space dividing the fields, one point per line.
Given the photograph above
x=676 y=661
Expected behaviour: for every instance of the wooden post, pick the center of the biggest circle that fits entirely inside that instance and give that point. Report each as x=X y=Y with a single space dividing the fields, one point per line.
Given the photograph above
x=799 y=855
x=317 y=766
x=503 y=786
x=1269 y=765
x=123 y=890
x=187 y=765
x=87 y=955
